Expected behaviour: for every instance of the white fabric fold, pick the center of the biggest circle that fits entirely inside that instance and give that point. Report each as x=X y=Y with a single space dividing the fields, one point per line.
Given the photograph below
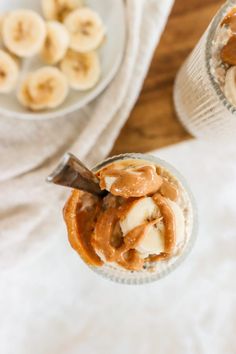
x=30 y=211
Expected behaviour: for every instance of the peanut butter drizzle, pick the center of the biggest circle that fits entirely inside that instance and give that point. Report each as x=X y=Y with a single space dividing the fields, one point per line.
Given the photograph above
x=169 y=190
x=133 y=237
x=158 y=257
x=140 y=182
x=228 y=52
x=169 y=222
x=103 y=233
x=123 y=254
x=80 y=223
x=131 y=260
x=93 y=229
x=230 y=20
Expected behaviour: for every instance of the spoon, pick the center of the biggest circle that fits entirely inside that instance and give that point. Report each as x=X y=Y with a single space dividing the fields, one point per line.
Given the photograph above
x=71 y=172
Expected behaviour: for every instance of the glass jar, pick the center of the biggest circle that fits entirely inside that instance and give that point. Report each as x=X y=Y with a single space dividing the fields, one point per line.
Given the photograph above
x=199 y=100
x=163 y=268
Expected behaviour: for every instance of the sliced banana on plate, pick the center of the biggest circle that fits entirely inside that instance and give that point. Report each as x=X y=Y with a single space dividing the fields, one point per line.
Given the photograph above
x=59 y=9
x=23 y=32
x=230 y=85
x=56 y=43
x=9 y=72
x=47 y=87
x=86 y=29
x=71 y=45
x=81 y=69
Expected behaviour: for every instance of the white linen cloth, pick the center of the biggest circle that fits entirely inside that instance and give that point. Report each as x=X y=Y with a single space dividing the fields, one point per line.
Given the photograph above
x=50 y=302
x=54 y=304
x=29 y=211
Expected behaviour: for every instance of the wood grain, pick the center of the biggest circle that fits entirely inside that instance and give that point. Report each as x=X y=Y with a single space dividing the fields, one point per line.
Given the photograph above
x=153 y=123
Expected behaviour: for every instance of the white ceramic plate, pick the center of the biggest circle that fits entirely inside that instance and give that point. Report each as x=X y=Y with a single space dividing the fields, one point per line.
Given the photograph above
x=111 y=52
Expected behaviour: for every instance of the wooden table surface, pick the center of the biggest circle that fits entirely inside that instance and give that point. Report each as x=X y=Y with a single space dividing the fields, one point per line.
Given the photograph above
x=153 y=122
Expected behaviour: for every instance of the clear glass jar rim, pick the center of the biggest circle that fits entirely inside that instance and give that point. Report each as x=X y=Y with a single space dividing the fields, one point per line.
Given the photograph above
x=208 y=50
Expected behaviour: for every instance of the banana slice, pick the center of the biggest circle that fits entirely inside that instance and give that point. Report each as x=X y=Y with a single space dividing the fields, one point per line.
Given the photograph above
x=141 y=211
x=23 y=32
x=86 y=29
x=56 y=43
x=9 y=72
x=154 y=241
x=45 y=88
x=82 y=69
x=59 y=9
x=145 y=209
x=230 y=85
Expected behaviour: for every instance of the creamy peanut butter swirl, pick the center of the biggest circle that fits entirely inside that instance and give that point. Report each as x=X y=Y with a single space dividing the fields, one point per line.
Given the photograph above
x=230 y=20
x=94 y=224
x=132 y=183
x=125 y=254
x=228 y=51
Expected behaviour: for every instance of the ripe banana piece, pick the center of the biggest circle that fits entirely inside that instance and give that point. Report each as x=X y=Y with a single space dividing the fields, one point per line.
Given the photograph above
x=23 y=32
x=86 y=29
x=47 y=87
x=81 y=69
x=145 y=209
x=141 y=211
x=230 y=85
x=154 y=240
x=56 y=43
x=9 y=72
x=59 y=9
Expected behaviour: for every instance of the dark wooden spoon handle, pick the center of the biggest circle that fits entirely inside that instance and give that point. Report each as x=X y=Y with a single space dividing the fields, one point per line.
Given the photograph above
x=71 y=172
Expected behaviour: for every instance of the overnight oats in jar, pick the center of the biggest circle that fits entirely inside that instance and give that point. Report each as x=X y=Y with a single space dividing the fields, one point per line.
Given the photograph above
x=223 y=56
x=205 y=86
x=141 y=228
